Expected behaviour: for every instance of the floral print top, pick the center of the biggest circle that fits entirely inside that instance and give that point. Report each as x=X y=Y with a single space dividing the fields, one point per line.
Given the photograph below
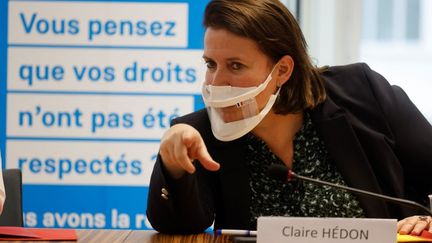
x=297 y=198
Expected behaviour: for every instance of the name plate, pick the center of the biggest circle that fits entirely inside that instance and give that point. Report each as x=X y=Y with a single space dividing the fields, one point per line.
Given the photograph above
x=325 y=230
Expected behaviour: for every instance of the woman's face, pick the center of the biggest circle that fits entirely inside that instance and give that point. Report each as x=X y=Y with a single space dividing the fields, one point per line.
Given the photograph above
x=233 y=60
x=236 y=61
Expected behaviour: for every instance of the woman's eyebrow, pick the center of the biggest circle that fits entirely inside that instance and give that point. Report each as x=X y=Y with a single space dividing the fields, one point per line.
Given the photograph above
x=228 y=59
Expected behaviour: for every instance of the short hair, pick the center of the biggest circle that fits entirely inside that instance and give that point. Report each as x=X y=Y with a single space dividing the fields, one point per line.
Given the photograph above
x=271 y=25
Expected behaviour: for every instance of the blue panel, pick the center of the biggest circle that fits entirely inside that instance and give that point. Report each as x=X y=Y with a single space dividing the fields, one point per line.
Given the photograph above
x=196 y=28
x=199 y=103
x=87 y=207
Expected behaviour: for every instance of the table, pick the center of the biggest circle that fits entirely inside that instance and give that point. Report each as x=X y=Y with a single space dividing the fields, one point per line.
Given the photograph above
x=142 y=236
x=145 y=236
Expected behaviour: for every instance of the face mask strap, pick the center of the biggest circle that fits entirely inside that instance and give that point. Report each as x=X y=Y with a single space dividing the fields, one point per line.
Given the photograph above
x=237 y=101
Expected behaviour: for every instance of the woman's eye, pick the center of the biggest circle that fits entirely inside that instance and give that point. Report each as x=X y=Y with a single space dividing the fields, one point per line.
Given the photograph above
x=236 y=66
x=210 y=65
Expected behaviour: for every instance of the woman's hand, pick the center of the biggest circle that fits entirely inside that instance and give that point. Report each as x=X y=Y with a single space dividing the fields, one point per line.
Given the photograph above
x=414 y=225
x=180 y=146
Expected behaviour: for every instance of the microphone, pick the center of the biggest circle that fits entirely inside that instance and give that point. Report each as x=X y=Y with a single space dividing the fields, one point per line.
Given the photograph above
x=281 y=173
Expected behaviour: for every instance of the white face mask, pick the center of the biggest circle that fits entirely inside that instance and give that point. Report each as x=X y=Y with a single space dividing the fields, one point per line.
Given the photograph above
x=233 y=111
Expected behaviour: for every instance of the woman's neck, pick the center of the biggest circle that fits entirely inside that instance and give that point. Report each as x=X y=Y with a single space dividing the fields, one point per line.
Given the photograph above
x=278 y=131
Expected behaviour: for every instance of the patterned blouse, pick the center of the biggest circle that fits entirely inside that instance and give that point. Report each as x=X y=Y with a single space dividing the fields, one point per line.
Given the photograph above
x=273 y=198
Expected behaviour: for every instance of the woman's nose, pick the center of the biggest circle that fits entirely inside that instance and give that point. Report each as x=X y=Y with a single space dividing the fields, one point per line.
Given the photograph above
x=217 y=78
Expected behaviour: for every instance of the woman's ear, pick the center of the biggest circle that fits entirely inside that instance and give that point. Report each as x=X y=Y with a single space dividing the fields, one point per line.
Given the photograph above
x=286 y=67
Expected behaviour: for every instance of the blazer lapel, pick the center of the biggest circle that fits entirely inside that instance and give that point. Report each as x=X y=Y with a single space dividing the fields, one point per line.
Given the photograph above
x=346 y=152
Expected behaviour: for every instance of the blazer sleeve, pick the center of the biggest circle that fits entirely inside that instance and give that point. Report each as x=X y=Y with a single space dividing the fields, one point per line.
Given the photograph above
x=412 y=133
x=187 y=205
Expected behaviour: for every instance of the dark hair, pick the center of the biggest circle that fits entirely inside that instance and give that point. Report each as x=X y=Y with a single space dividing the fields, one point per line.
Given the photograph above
x=274 y=28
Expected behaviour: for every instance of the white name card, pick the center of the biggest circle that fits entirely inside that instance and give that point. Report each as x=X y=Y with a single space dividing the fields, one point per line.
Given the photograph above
x=325 y=230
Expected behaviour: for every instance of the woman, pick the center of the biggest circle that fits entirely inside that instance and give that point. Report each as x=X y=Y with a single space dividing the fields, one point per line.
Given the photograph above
x=267 y=104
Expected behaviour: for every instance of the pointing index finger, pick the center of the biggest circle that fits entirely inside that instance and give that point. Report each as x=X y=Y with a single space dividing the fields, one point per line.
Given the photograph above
x=198 y=150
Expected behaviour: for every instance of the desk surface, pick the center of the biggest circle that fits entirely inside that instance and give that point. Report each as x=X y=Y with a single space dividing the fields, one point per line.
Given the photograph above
x=142 y=236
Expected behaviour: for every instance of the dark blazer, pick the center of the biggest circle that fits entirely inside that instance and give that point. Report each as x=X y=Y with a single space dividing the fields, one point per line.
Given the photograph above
x=377 y=138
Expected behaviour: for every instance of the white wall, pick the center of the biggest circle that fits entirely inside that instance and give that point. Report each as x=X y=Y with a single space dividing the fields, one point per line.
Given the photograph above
x=339 y=32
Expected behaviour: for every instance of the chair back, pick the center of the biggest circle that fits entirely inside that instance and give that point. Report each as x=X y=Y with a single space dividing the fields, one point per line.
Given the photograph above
x=12 y=214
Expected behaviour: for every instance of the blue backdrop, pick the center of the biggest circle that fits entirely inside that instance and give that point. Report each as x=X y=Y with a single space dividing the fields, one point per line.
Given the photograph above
x=87 y=89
